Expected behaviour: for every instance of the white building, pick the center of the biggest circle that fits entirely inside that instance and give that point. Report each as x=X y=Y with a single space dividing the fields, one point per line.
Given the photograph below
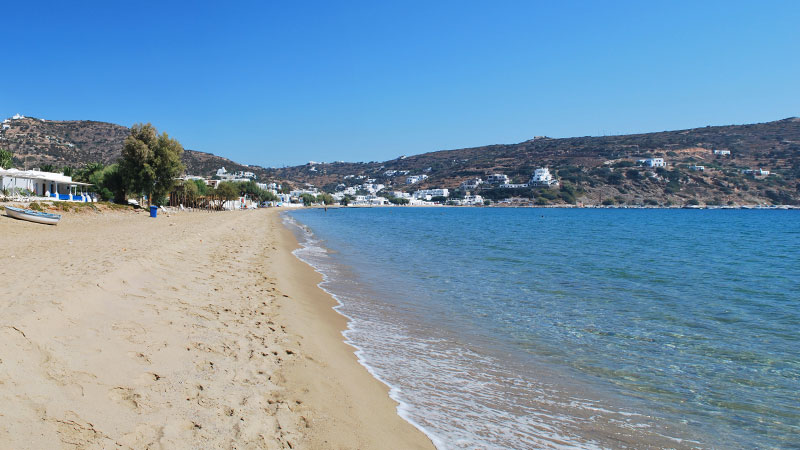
x=514 y=185
x=51 y=185
x=414 y=179
x=756 y=172
x=470 y=184
x=471 y=200
x=697 y=168
x=722 y=152
x=497 y=178
x=221 y=172
x=542 y=177
x=428 y=194
x=653 y=162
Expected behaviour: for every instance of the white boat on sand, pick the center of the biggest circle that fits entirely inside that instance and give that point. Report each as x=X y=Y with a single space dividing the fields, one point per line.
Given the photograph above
x=33 y=216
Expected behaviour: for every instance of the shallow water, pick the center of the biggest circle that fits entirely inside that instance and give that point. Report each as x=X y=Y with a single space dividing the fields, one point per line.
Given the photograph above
x=562 y=328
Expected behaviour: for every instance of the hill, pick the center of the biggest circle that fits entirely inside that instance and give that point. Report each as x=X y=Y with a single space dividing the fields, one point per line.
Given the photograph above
x=591 y=169
x=605 y=168
x=74 y=143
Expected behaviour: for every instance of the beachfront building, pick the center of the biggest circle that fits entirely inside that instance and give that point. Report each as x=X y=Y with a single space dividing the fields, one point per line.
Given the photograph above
x=542 y=177
x=722 y=152
x=497 y=178
x=469 y=200
x=653 y=162
x=414 y=179
x=427 y=194
x=36 y=184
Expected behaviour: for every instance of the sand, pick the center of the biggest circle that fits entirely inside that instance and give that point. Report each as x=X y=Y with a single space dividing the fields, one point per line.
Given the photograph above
x=197 y=330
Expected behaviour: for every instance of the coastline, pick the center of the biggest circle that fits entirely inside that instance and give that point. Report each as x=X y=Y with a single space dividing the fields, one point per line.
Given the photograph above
x=191 y=330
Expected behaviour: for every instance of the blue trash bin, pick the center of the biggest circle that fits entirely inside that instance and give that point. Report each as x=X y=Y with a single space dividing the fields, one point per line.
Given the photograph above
x=153 y=211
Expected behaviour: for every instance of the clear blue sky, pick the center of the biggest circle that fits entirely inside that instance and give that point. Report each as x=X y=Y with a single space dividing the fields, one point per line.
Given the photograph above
x=281 y=83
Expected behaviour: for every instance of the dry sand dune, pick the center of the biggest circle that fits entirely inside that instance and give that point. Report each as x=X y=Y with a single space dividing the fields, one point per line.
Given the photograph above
x=198 y=330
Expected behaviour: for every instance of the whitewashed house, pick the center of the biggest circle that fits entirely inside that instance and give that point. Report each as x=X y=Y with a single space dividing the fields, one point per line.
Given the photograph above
x=50 y=185
x=542 y=177
x=497 y=178
x=428 y=194
x=414 y=179
x=471 y=184
x=653 y=162
x=722 y=152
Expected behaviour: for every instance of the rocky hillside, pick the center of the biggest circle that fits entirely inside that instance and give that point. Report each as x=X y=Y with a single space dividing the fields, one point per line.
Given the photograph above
x=37 y=142
x=605 y=169
x=592 y=170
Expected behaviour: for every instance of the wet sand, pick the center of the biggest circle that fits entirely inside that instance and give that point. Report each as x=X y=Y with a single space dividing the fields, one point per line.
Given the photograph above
x=197 y=330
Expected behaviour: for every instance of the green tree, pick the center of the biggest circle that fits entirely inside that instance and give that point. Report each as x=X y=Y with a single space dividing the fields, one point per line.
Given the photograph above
x=150 y=163
x=325 y=198
x=308 y=199
x=190 y=190
x=5 y=159
x=227 y=190
x=202 y=187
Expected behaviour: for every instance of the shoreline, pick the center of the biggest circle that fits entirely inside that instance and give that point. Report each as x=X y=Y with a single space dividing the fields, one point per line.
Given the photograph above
x=190 y=330
x=402 y=409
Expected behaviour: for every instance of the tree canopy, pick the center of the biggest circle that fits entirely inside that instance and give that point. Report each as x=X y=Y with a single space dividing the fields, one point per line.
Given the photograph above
x=150 y=163
x=5 y=159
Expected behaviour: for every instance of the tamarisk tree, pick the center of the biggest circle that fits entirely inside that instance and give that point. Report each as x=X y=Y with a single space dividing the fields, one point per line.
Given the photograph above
x=150 y=163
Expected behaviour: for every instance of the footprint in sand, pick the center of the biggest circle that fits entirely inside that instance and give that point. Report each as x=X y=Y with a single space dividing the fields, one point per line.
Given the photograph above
x=125 y=396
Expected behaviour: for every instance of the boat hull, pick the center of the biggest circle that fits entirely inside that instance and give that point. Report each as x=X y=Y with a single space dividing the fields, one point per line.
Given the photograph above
x=32 y=216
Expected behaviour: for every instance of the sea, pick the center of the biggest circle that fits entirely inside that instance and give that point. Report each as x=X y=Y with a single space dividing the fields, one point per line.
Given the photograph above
x=523 y=328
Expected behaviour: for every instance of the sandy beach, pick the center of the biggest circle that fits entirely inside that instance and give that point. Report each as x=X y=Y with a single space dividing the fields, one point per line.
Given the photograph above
x=197 y=330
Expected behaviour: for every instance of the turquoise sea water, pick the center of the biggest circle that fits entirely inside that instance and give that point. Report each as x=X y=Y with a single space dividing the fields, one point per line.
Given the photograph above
x=566 y=328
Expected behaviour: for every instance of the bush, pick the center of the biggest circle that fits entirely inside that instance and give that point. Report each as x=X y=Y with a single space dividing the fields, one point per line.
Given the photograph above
x=609 y=202
x=633 y=175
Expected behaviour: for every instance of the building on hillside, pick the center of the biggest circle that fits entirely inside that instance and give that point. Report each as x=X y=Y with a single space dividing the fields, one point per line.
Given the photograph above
x=653 y=162
x=722 y=152
x=756 y=173
x=414 y=179
x=497 y=178
x=697 y=168
x=471 y=184
x=513 y=185
x=542 y=177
